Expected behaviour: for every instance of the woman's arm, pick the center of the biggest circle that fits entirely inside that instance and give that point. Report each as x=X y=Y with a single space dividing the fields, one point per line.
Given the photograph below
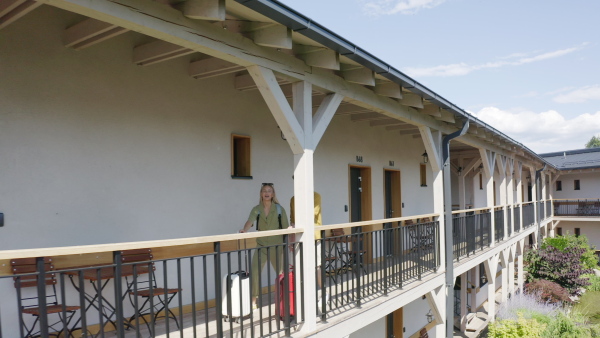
x=247 y=227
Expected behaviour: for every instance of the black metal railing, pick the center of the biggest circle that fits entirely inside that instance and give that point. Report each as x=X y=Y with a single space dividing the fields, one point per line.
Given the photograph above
x=517 y=218
x=528 y=215
x=363 y=264
x=548 y=208
x=212 y=293
x=499 y=224
x=470 y=233
x=509 y=223
x=587 y=207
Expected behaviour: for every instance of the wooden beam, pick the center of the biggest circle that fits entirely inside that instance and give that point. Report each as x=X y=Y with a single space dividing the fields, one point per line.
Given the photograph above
x=12 y=10
x=488 y=159
x=385 y=122
x=245 y=82
x=350 y=109
x=431 y=147
x=204 y=9
x=389 y=89
x=157 y=51
x=367 y=116
x=434 y=303
x=269 y=87
x=446 y=116
x=431 y=109
x=318 y=56
x=472 y=129
x=412 y=100
x=90 y=32
x=363 y=76
x=275 y=36
x=212 y=67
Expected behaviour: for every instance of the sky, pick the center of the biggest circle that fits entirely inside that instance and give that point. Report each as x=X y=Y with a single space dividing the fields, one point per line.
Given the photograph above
x=530 y=68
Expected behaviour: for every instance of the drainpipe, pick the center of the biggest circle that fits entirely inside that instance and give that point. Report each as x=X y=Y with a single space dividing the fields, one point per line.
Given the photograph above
x=538 y=193
x=448 y=226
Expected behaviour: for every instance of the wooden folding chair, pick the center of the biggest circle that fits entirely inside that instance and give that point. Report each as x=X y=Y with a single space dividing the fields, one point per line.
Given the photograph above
x=141 y=282
x=30 y=304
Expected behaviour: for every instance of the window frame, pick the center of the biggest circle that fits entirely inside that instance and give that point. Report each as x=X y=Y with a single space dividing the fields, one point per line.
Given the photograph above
x=558 y=185
x=238 y=155
x=577 y=185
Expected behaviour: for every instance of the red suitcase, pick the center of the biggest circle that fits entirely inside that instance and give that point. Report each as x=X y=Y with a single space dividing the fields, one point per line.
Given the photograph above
x=291 y=299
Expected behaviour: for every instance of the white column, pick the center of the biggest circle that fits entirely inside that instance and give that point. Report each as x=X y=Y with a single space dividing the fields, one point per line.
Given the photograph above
x=519 y=173
x=490 y=271
x=502 y=200
x=520 y=271
x=462 y=198
x=511 y=276
x=488 y=160
x=474 y=279
x=534 y=198
x=504 y=277
x=463 y=302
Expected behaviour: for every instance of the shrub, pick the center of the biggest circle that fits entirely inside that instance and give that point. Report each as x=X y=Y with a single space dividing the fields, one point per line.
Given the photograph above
x=564 y=268
x=589 y=260
x=529 y=306
x=548 y=291
x=567 y=326
x=516 y=328
x=594 y=283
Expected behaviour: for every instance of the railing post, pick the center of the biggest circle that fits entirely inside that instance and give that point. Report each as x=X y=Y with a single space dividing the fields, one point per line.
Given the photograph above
x=323 y=288
x=118 y=294
x=356 y=262
x=420 y=250
x=41 y=291
x=286 y=286
x=385 y=243
x=218 y=291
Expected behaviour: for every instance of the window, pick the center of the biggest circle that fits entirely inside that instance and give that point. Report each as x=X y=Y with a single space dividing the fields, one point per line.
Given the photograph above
x=577 y=186
x=482 y=277
x=577 y=232
x=423 y=175
x=559 y=231
x=558 y=185
x=240 y=156
x=480 y=181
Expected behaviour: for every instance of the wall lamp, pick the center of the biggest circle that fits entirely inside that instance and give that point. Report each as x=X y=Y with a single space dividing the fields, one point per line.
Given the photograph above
x=459 y=171
x=425 y=158
x=528 y=179
x=481 y=167
x=429 y=316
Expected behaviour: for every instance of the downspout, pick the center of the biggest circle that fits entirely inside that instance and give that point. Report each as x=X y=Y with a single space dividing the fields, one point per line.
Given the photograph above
x=448 y=227
x=538 y=188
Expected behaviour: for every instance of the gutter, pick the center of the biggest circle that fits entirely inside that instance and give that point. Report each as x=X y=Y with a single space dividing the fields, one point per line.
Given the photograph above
x=298 y=22
x=448 y=240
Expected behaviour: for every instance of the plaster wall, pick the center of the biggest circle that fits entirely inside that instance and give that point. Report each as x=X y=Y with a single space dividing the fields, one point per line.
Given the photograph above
x=375 y=329
x=589 y=184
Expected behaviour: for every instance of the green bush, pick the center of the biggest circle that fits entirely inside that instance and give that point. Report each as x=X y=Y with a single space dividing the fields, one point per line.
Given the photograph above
x=516 y=328
x=589 y=260
x=594 y=283
x=567 y=326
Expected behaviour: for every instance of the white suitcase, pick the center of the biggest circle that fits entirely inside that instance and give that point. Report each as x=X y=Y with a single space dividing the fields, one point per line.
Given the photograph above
x=231 y=288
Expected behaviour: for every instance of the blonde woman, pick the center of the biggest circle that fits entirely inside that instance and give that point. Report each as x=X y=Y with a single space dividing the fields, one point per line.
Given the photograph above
x=269 y=216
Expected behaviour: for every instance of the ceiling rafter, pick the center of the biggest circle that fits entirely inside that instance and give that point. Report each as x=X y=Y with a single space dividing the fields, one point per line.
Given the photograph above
x=212 y=67
x=90 y=32
x=158 y=51
x=12 y=10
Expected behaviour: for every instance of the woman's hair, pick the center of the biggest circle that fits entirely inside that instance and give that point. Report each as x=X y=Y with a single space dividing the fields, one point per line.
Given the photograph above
x=274 y=199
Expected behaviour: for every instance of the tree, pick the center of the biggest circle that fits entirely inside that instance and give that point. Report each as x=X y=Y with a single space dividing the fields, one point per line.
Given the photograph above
x=594 y=142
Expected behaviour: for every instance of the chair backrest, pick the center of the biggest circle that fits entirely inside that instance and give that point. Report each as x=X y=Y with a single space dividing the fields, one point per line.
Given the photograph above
x=425 y=220
x=409 y=222
x=145 y=267
x=28 y=266
x=337 y=232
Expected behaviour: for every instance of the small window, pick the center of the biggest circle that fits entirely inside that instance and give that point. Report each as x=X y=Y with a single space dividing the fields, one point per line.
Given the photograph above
x=480 y=181
x=577 y=186
x=423 y=175
x=577 y=232
x=558 y=185
x=482 y=277
x=240 y=156
x=559 y=231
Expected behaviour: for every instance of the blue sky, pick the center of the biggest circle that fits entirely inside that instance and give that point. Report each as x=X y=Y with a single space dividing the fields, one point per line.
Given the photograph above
x=531 y=68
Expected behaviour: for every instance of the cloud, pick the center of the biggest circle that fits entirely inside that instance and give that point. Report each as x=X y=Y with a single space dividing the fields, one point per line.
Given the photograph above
x=579 y=95
x=543 y=132
x=458 y=69
x=388 y=7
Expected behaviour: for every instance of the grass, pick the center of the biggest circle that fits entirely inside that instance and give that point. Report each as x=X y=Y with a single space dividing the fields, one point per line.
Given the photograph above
x=589 y=305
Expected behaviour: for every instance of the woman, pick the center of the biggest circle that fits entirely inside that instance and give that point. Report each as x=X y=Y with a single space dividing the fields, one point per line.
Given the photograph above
x=270 y=216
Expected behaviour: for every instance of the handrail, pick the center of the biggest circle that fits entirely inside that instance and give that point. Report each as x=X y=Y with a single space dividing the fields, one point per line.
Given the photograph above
x=574 y=199
x=526 y=203
x=99 y=248
x=470 y=210
x=373 y=222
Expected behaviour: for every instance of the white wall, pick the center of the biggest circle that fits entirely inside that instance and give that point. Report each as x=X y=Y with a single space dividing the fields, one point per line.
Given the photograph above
x=375 y=329
x=415 y=317
x=591 y=229
x=589 y=184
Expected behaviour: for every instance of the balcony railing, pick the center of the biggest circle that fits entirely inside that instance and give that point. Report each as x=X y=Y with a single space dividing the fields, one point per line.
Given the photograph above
x=548 y=208
x=528 y=214
x=517 y=217
x=499 y=224
x=471 y=231
x=585 y=207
